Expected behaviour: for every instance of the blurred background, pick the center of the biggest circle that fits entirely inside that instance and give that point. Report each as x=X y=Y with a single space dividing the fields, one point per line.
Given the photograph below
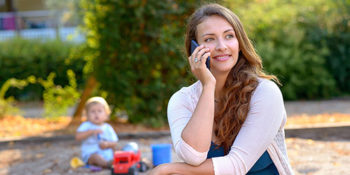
x=133 y=52
x=56 y=54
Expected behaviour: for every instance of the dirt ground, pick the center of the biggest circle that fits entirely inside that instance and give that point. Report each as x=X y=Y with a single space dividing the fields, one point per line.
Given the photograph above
x=312 y=151
x=318 y=152
x=54 y=157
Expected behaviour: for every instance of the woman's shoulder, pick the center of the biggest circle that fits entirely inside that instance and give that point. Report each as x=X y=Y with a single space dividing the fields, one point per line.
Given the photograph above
x=266 y=84
x=268 y=97
x=267 y=87
x=188 y=91
x=186 y=95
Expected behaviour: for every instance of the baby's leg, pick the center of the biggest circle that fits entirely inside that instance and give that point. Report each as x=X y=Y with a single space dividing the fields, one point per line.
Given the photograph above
x=98 y=160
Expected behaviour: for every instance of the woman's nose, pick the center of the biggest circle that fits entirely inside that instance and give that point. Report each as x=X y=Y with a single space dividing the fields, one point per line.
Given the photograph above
x=220 y=45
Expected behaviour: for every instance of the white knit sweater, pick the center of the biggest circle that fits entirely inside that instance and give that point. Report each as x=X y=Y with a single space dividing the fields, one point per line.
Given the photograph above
x=263 y=130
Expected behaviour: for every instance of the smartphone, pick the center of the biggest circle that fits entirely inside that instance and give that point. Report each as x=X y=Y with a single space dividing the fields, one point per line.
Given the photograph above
x=194 y=44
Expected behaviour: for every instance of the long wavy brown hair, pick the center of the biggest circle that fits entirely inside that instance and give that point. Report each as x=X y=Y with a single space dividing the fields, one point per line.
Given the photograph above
x=242 y=80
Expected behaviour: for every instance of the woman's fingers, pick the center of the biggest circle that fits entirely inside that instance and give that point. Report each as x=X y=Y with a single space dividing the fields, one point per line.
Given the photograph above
x=194 y=54
x=205 y=57
x=200 y=53
x=198 y=68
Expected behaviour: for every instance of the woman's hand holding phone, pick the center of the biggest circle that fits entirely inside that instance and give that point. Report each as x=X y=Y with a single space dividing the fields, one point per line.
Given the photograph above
x=197 y=62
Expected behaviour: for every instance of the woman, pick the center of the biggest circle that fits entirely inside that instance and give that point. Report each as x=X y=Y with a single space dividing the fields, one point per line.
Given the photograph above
x=231 y=120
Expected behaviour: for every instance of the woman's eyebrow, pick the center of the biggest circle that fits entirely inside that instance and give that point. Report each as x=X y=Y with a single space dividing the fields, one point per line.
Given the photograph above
x=207 y=34
x=228 y=30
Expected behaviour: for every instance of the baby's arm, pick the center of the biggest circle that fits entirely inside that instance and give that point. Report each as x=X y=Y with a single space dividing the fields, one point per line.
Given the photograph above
x=79 y=136
x=111 y=140
x=108 y=144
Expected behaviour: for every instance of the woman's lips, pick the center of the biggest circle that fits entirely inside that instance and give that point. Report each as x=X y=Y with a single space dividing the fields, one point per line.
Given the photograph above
x=222 y=57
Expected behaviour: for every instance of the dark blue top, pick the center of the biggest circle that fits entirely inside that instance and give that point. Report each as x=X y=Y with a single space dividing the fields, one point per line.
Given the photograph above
x=264 y=165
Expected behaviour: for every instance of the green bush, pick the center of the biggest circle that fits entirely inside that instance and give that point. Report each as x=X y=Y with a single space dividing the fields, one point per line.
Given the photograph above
x=7 y=106
x=291 y=37
x=299 y=66
x=20 y=58
x=134 y=48
x=135 y=51
x=338 y=61
x=58 y=99
x=332 y=29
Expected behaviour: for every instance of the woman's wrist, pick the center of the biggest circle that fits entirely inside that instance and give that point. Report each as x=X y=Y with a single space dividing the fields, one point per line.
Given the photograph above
x=168 y=168
x=160 y=170
x=209 y=85
x=175 y=168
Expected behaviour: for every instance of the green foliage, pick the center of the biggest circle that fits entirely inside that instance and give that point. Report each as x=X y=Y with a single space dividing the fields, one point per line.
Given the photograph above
x=20 y=58
x=300 y=67
x=58 y=99
x=135 y=48
x=334 y=33
x=298 y=42
x=7 y=104
x=135 y=51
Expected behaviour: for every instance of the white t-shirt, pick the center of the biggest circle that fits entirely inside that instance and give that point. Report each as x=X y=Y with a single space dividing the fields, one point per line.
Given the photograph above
x=91 y=144
x=262 y=130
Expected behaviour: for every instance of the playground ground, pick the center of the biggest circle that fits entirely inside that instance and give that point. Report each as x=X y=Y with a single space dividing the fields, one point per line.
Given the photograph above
x=315 y=150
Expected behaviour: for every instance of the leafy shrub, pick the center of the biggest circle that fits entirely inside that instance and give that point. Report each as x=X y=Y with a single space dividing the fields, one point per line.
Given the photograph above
x=135 y=52
x=20 y=58
x=7 y=104
x=300 y=67
x=284 y=34
x=331 y=29
x=58 y=99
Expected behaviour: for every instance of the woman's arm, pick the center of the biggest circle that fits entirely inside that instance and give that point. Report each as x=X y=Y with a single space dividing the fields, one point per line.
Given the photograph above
x=206 y=168
x=182 y=112
x=191 y=128
x=198 y=131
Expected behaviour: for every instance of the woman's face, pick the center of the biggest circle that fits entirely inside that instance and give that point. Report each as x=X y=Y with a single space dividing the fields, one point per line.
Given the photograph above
x=218 y=35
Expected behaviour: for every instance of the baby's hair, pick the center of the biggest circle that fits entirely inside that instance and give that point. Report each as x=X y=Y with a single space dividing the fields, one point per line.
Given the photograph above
x=97 y=100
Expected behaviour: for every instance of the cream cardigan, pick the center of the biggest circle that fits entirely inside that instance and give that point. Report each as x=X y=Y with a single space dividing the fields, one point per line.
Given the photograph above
x=263 y=130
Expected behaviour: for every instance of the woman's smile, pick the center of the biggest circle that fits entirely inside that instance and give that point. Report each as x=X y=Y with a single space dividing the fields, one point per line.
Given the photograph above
x=222 y=57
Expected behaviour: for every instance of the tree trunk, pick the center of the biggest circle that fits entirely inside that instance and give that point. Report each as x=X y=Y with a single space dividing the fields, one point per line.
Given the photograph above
x=89 y=87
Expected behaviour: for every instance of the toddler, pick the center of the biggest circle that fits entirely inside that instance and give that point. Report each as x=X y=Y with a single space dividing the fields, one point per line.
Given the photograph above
x=98 y=138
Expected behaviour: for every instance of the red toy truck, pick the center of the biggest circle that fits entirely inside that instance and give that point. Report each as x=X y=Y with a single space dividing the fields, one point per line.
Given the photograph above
x=126 y=163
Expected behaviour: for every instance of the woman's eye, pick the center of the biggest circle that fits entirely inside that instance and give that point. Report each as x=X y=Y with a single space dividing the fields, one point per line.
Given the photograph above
x=229 y=36
x=208 y=39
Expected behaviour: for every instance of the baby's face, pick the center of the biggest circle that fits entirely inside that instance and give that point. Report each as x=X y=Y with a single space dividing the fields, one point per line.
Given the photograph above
x=97 y=114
